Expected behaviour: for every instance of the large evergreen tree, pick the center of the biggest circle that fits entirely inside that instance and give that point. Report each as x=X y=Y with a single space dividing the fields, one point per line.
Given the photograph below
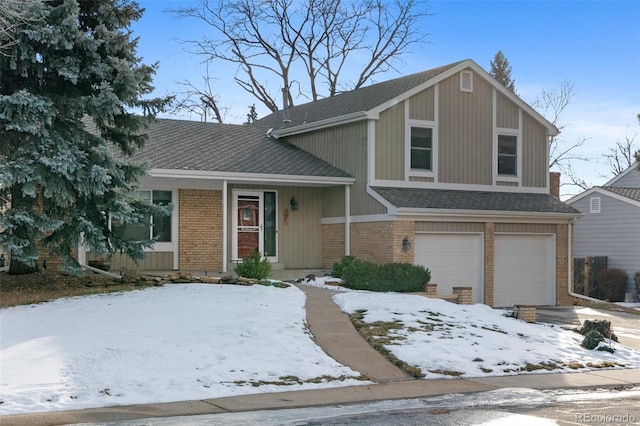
x=501 y=71
x=69 y=87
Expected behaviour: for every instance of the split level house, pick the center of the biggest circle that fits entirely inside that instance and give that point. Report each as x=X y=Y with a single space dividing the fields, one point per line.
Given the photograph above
x=610 y=225
x=444 y=168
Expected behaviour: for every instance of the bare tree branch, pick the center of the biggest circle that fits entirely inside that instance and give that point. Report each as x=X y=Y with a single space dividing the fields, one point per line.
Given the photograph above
x=13 y=15
x=202 y=102
x=282 y=37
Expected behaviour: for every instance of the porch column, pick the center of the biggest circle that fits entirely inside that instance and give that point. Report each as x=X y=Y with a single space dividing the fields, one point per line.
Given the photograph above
x=347 y=220
x=224 y=226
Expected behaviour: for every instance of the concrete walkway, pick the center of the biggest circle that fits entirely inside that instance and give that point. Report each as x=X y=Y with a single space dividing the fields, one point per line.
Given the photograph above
x=334 y=332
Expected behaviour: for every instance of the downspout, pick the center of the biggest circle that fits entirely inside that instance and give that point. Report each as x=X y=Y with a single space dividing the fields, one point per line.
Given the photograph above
x=347 y=220
x=570 y=270
x=224 y=226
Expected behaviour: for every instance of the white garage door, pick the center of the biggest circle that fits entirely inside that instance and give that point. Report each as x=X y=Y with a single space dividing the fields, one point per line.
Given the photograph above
x=455 y=260
x=524 y=270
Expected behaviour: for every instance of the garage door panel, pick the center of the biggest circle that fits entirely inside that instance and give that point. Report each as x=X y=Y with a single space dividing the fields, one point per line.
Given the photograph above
x=524 y=270
x=453 y=259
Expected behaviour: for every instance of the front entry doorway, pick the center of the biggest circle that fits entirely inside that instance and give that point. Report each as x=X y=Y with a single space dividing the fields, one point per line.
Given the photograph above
x=255 y=224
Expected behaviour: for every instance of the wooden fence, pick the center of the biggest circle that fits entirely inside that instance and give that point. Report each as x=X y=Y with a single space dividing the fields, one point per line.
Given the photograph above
x=584 y=274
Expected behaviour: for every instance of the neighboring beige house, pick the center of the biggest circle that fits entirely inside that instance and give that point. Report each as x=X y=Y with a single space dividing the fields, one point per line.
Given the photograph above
x=444 y=168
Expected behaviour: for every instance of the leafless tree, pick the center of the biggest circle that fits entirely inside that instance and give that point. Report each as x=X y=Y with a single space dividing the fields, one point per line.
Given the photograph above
x=202 y=102
x=622 y=156
x=315 y=39
x=562 y=153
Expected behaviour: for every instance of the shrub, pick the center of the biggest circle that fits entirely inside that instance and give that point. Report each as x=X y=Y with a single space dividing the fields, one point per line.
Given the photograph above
x=612 y=284
x=338 y=267
x=404 y=277
x=400 y=277
x=360 y=275
x=254 y=266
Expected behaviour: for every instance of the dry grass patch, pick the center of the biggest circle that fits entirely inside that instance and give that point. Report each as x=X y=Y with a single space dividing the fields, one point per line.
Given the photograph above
x=46 y=286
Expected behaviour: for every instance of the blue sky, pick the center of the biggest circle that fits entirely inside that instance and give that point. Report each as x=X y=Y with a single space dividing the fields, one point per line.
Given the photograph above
x=593 y=44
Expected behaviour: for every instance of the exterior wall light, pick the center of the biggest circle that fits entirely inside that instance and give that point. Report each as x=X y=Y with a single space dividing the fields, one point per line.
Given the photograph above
x=406 y=244
x=293 y=203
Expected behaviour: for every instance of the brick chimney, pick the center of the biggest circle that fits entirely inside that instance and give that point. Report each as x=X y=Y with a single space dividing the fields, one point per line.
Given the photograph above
x=554 y=184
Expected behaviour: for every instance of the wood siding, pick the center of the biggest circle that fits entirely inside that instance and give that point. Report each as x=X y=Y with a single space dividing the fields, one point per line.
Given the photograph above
x=614 y=232
x=344 y=147
x=299 y=231
x=534 y=147
x=390 y=146
x=422 y=105
x=465 y=132
x=154 y=261
x=449 y=227
x=506 y=112
x=526 y=228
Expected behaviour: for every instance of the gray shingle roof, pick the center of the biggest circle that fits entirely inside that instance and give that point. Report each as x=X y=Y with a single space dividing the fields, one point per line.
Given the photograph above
x=362 y=99
x=191 y=145
x=631 y=193
x=474 y=200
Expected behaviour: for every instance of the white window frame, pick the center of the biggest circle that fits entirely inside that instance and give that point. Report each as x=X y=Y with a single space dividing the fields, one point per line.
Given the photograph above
x=517 y=178
x=426 y=124
x=165 y=245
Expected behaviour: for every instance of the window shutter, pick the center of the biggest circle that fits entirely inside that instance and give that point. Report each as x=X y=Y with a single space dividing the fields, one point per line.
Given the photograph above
x=466 y=81
x=594 y=203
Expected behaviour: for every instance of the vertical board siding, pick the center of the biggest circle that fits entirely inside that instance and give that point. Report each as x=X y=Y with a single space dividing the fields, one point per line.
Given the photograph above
x=614 y=232
x=526 y=228
x=421 y=106
x=449 y=227
x=333 y=201
x=154 y=261
x=346 y=148
x=534 y=165
x=465 y=132
x=506 y=112
x=299 y=232
x=389 y=146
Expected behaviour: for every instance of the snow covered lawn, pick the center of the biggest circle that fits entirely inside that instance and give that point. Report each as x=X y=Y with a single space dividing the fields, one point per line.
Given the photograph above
x=171 y=343
x=447 y=340
x=198 y=341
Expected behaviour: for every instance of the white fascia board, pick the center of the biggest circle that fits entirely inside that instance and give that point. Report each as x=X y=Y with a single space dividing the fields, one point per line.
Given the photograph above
x=251 y=177
x=457 y=186
x=633 y=167
x=483 y=215
x=605 y=193
x=391 y=209
x=374 y=113
x=317 y=125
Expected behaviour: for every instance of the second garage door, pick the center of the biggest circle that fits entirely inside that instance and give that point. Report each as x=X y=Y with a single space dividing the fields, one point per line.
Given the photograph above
x=455 y=260
x=524 y=270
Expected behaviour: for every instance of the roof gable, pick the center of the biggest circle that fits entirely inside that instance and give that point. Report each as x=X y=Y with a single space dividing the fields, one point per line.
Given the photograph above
x=368 y=102
x=627 y=195
x=627 y=177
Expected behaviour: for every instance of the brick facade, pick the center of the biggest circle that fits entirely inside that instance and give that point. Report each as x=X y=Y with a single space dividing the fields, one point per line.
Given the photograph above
x=489 y=252
x=381 y=242
x=332 y=244
x=200 y=245
x=564 y=264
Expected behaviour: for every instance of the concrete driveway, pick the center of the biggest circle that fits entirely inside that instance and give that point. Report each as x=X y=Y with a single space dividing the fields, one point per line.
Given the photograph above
x=625 y=325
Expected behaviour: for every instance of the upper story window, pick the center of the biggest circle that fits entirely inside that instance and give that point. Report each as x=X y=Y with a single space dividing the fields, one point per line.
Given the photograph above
x=508 y=155
x=421 y=148
x=159 y=226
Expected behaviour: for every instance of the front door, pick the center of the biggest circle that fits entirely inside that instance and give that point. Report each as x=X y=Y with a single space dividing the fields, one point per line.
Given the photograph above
x=254 y=224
